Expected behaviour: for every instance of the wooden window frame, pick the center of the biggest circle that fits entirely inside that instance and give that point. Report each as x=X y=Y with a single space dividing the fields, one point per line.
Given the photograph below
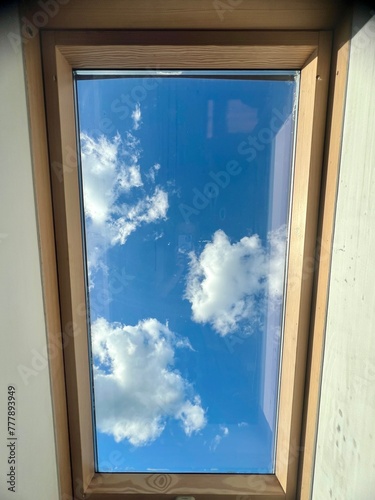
x=57 y=185
x=64 y=52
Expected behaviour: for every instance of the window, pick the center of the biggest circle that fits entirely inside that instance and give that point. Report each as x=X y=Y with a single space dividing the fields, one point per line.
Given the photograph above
x=65 y=52
x=186 y=181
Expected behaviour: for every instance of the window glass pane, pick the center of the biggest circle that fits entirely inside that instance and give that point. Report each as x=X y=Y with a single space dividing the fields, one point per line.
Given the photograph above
x=186 y=185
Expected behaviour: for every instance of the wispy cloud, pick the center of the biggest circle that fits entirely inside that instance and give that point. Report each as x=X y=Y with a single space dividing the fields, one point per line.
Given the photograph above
x=224 y=431
x=137 y=388
x=151 y=175
x=148 y=209
x=137 y=116
x=228 y=283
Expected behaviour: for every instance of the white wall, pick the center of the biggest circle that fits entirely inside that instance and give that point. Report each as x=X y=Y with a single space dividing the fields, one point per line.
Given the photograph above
x=22 y=326
x=345 y=460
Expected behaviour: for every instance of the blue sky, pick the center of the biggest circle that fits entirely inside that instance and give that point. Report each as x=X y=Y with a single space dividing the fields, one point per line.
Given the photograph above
x=186 y=194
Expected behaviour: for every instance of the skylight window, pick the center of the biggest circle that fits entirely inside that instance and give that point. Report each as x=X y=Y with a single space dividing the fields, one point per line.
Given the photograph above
x=186 y=181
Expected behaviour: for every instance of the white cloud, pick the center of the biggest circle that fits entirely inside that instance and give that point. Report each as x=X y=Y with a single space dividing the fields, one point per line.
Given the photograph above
x=137 y=115
x=110 y=170
x=148 y=209
x=158 y=236
x=243 y=424
x=129 y=178
x=99 y=164
x=218 y=438
x=228 y=283
x=136 y=387
x=192 y=416
x=151 y=175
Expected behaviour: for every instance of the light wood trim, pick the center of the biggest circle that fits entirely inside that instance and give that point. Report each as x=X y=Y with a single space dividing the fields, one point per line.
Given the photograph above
x=47 y=250
x=308 y=161
x=197 y=57
x=191 y=14
x=64 y=180
x=202 y=486
x=174 y=37
x=185 y=491
x=60 y=112
x=215 y=49
x=339 y=73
